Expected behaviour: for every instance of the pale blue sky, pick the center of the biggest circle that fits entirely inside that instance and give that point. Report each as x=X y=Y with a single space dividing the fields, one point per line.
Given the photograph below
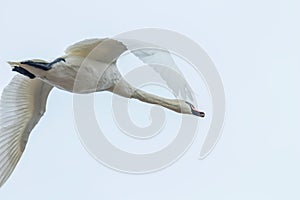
x=255 y=46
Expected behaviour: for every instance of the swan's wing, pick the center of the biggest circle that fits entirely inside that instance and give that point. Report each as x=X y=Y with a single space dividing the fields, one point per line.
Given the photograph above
x=84 y=47
x=22 y=105
x=104 y=50
x=161 y=61
x=108 y=50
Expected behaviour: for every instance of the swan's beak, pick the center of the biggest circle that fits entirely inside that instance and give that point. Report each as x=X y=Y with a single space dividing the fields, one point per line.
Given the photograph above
x=195 y=111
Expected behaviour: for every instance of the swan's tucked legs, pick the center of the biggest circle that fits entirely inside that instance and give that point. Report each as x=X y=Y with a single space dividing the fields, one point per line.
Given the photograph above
x=42 y=65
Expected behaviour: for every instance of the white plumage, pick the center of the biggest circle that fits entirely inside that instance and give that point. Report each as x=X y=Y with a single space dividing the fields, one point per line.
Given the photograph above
x=23 y=103
x=24 y=100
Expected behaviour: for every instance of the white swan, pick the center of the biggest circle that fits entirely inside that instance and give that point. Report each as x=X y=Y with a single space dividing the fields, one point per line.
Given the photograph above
x=23 y=101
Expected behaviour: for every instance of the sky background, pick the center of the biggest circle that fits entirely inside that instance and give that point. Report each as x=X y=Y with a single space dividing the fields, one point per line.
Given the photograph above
x=255 y=46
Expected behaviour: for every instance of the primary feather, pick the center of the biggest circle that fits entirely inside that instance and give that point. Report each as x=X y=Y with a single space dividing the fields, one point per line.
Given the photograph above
x=22 y=105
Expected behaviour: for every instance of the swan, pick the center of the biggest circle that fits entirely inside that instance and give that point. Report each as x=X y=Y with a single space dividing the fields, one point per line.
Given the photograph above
x=23 y=100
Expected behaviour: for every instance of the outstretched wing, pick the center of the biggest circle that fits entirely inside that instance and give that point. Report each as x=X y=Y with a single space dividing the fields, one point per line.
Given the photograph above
x=108 y=50
x=104 y=50
x=22 y=105
x=161 y=60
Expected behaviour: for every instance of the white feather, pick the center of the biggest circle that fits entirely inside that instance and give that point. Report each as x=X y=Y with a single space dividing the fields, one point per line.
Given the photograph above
x=21 y=107
x=109 y=50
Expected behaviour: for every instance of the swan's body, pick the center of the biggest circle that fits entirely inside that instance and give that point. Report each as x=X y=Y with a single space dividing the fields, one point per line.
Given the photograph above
x=23 y=101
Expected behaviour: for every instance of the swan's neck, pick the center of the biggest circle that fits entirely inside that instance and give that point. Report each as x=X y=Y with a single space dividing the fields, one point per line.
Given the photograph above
x=124 y=89
x=172 y=104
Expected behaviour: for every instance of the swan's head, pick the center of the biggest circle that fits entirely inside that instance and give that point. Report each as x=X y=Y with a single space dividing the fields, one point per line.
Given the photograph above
x=188 y=108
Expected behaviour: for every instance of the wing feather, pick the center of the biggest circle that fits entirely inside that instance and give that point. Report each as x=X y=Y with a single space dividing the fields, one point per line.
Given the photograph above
x=108 y=50
x=83 y=47
x=161 y=61
x=104 y=50
x=22 y=105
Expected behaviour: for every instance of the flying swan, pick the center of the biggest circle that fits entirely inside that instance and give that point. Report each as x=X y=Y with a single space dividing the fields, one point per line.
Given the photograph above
x=24 y=99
